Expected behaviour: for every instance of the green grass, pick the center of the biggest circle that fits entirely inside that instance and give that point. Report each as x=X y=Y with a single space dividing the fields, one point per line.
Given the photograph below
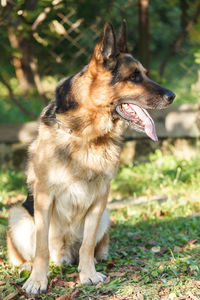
x=155 y=247
x=161 y=175
x=12 y=183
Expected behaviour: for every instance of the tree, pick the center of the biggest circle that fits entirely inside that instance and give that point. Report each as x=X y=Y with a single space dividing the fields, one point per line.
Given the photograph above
x=185 y=26
x=144 y=54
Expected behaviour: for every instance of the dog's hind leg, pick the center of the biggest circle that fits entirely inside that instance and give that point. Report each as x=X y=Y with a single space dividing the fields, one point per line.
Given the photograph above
x=101 y=249
x=102 y=241
x=60 y=253
x=21 y=236
x=14 y=256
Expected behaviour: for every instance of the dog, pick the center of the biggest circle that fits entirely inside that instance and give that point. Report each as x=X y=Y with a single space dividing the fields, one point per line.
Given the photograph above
x=74 y=158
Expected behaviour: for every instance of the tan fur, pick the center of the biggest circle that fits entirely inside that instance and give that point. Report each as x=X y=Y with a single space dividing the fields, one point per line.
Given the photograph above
x=14 y=256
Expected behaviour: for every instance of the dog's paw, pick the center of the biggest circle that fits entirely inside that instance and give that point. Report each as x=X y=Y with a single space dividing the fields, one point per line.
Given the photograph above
x=36 y=285
x=91 y=279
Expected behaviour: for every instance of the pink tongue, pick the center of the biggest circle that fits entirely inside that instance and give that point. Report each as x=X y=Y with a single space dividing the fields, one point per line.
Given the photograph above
x=147 y=121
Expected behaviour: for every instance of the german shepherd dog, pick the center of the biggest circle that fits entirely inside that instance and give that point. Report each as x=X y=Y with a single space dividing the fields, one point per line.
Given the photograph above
x=74 y=158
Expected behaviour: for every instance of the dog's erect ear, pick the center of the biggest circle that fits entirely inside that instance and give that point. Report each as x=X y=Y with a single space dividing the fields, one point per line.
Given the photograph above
x=108 y=43
x=121 y=38
x=106 y=50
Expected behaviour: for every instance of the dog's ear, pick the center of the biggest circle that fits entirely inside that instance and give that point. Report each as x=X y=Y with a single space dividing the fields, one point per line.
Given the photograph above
x=121 y=38
x=108 y=43
x=106 y=50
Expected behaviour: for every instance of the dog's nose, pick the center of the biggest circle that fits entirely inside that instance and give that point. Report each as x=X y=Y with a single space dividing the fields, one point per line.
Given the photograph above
x=169 y=96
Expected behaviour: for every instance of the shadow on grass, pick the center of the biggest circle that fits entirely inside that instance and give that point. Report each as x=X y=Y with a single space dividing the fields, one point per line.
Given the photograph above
x=148 y=257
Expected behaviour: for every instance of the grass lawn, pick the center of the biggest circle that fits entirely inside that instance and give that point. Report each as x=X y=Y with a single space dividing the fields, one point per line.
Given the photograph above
x=155 y=246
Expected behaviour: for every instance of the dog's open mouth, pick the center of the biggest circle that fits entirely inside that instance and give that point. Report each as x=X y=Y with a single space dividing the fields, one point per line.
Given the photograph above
x=138 y=118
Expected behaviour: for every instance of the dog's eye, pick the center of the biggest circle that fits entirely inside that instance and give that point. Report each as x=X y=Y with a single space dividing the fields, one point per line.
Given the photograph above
x=135 y=77
x=132 y=77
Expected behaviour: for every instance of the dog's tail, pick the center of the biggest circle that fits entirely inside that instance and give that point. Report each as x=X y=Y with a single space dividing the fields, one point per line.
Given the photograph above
x=21 y=236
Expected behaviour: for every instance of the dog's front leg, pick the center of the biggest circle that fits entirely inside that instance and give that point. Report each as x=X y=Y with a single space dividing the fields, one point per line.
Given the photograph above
x=88 y=274
x=37 y=282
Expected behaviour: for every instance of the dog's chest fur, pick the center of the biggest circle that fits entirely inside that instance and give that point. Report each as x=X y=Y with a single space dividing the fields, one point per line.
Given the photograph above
x=76 y=173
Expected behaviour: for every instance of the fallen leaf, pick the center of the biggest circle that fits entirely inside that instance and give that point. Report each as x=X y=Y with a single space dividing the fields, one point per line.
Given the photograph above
x=136 y=276
x=63 y=283
x=77 y=280
x=136 y=268
x=107 y=280
x=98 y=285
x=128 y=268
x=2 y=263
x=64 y=297
x=74 y=294
x=109 y=266
x=137 y=237
x=2 y=283
x=117 y=274
x=53 y=281
x=11 y=296
x=192 y=241
x=177 y=249
x=163 y=250
x=156 y=249
x=163 y=291
x=69 y=284
x=152 y=243
x=197 y=283
x=71 y=275
x=159 y=214
x=59 y=282
x=192 y=296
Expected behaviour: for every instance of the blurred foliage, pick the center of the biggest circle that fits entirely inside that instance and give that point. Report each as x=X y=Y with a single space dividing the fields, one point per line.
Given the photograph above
x=40 y=29
x=161 y=176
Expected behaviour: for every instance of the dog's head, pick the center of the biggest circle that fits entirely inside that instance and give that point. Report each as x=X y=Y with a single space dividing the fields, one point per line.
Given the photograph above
x=116 y=85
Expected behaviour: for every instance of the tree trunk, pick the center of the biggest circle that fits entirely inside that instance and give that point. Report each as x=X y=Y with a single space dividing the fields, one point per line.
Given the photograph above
x=25 y=63
x=21 y=61
x=184 y=9
x=144 y=54
x=181 y=36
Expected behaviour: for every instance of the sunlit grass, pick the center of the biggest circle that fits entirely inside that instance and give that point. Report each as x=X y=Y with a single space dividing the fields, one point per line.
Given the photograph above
x=163 y=175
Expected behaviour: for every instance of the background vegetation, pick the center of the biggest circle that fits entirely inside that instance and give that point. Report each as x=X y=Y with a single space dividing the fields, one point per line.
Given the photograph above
x=43 y=41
